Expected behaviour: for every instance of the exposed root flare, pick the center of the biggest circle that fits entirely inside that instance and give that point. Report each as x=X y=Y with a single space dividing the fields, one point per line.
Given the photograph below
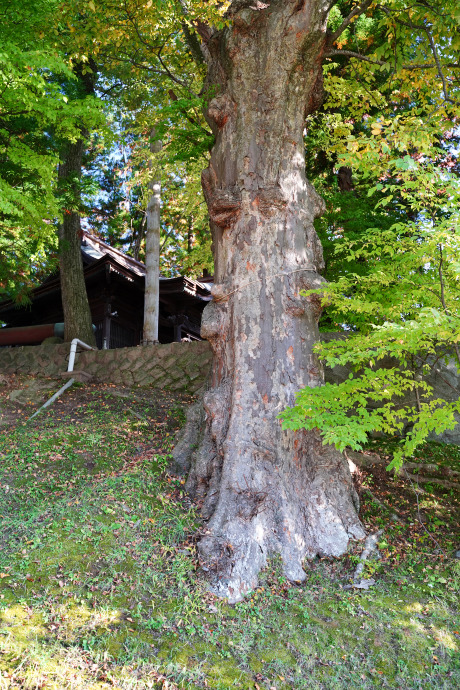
x=370 y=545
x=419 y=479
x=369 y=459
x=251 y=519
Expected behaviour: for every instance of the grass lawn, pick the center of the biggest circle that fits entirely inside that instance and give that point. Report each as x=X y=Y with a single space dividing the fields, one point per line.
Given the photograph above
x=100 y=586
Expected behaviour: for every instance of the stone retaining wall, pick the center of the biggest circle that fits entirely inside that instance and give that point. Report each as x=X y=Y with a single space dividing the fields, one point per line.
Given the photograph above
x=180 y=366
x=176 y=366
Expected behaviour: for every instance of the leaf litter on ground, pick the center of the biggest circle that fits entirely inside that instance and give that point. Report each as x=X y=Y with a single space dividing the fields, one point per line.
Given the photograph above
x=100 y=584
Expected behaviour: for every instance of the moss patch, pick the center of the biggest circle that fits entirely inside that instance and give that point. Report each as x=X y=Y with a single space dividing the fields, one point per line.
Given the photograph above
x=100 y=585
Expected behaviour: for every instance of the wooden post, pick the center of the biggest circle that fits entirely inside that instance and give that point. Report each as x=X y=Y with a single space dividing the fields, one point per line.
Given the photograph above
x=152 y=255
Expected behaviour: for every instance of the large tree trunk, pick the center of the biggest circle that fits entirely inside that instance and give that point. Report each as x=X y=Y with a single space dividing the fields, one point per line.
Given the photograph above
x=77 y=315
x=265 y=490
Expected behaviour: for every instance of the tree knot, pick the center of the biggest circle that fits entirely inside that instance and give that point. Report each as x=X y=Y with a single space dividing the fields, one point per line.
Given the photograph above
x=220 y=109
x=224 y=206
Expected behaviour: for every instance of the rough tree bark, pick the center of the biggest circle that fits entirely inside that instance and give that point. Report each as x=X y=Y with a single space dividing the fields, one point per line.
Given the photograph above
x=77 y=314
x=264 y=490
x=152 y=255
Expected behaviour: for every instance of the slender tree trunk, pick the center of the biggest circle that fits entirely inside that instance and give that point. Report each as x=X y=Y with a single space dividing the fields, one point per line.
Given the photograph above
x=262 y=489
x=77 y=314
x=152 y=257
x=190 y=234
x=138 y=237
x=345 y=179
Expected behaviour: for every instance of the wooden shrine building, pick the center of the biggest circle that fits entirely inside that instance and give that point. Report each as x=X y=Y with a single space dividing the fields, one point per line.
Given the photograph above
x=115 y=288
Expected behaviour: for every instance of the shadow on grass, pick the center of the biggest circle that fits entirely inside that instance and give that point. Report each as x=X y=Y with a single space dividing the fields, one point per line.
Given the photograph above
x=100 y=585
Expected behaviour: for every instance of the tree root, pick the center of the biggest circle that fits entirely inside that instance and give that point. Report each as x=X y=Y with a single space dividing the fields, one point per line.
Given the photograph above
x=189 y=437
x=367 y=460
x=429 y=480
x=364 y=459
x=430 y=467
x=394 y=515
x=370 y=545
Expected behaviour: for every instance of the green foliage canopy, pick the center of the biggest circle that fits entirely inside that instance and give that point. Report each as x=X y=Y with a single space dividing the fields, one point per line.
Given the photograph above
x=35 y=114
x=391 y=117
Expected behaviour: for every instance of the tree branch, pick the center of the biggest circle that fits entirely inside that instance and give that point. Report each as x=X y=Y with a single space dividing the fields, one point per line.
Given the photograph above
x=192 y=120
x=170 y=74
x=409 y=25
x=191 y=39
x=141 y=65
x=360 y=9
x=351 y=53
x=445 y=90
x=155 y=49
x=423 y=27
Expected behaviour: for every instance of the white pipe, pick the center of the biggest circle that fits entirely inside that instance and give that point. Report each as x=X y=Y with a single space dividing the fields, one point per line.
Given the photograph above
x=53 y=397
x=73 y=351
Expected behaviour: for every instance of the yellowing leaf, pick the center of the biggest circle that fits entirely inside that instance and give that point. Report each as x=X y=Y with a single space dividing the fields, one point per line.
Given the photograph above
x=91 y=5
